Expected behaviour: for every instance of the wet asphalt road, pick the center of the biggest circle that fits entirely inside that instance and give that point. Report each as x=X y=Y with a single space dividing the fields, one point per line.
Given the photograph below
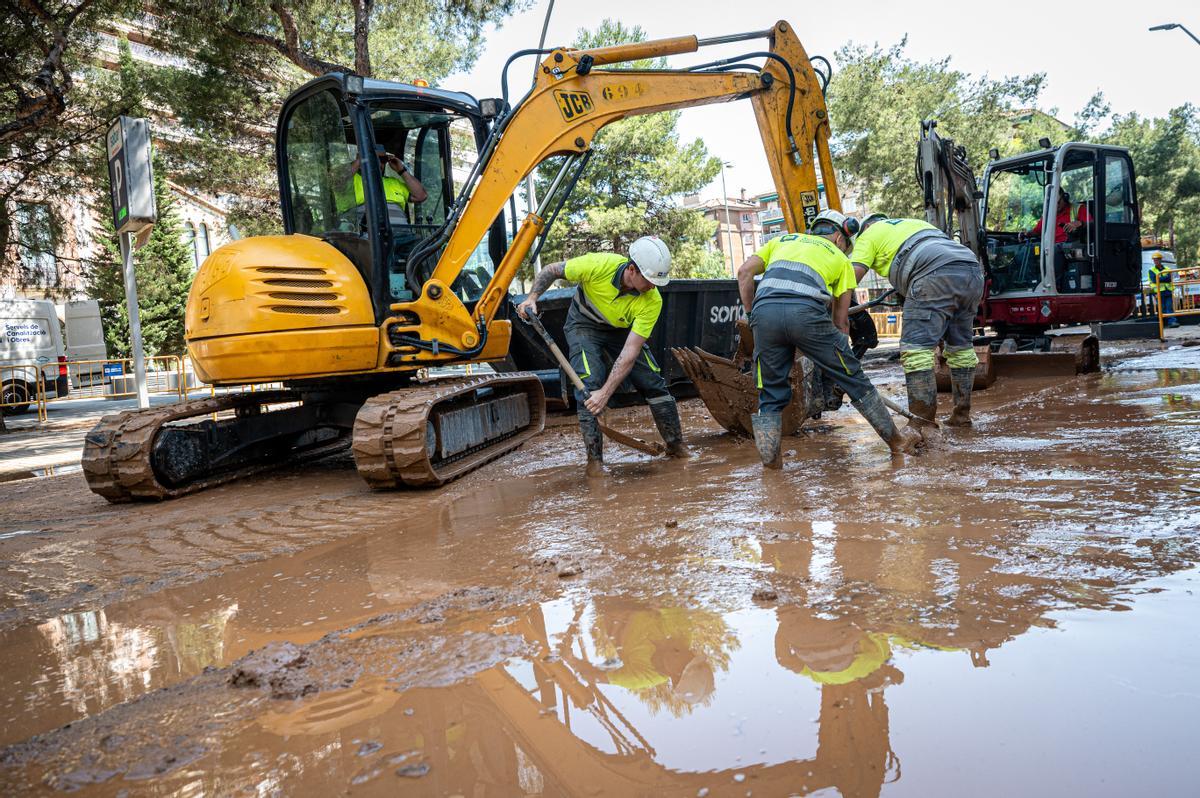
x=1012 y=612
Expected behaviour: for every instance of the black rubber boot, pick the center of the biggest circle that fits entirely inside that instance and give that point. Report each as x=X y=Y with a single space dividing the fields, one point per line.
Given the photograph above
x=961 y=382
x=593 y=441
x=666 y=418
x=768 y=438
x=922 y=393
x=899 y=440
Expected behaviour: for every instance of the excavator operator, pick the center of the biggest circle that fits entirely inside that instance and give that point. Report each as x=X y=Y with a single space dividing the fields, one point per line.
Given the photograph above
x=615 y=294
x=805 y=277
x=942 y=284
x=1064 y=225
x=398 y=190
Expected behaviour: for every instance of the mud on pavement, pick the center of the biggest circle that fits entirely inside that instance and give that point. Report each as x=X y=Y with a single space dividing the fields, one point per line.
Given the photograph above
x=1012 y=612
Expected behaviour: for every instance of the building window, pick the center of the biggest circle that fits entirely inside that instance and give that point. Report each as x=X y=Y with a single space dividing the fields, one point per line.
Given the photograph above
x=745 y=218
x=35 y=238
x=189 y=240
x=202 y=248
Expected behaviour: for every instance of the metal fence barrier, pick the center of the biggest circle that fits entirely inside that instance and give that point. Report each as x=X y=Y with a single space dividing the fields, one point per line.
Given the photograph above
x=41 y=384
x=22 y=385
x=889 y=324
x=113 y=378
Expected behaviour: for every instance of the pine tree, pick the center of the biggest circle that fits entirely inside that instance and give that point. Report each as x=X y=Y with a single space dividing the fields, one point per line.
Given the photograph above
x=164 y=276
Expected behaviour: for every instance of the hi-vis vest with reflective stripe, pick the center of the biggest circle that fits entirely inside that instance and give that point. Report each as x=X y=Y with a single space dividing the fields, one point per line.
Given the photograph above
x=1159 y=274
x=805 y=266
x=599 y=297
x=395 y=191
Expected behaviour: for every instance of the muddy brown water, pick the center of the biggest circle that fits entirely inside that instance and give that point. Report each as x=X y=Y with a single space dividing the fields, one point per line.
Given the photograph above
x=1012 y=612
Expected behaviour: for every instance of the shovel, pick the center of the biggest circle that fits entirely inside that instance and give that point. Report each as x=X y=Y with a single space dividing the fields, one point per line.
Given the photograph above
x=649 y=447
x=895 y=408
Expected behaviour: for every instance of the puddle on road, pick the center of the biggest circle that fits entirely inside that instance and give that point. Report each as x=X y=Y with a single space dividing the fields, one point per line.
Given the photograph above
x=848 y=626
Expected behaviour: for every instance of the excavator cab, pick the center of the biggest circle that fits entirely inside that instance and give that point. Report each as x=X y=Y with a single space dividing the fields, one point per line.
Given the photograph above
x=1061 y=232
x=335 y=139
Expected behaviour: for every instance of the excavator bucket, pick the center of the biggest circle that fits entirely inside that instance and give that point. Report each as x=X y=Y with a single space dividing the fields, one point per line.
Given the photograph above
x=985 y=370
x=727 y=386
x=1066 y=356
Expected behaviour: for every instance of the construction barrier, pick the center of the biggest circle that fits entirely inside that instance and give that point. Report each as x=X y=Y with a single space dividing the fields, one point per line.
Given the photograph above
x=22 y=385
x=888 y=324
x=1183 y=296
x=37 y=385
x=113 y=378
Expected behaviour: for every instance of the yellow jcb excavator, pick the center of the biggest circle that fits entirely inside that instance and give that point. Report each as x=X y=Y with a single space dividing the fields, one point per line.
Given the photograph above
x=366 y=289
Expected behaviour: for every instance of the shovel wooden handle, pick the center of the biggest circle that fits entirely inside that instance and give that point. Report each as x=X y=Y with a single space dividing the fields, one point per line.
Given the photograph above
x=895 y=408
x=649 y=447
x=537 y=325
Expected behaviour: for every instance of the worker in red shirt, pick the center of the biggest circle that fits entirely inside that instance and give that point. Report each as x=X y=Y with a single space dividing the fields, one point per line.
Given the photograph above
x=1064 y=225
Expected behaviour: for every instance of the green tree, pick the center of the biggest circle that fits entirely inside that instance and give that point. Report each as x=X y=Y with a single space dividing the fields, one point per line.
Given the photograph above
x=163 y=268
x=1166 y=158
x=631 y=188
x=216 y=91
x=54 y=105
x=878 y=98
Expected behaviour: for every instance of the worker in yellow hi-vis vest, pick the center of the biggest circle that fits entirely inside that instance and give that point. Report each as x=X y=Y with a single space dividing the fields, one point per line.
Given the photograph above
x=399 y=188
x=1161 y=285
x=612 y=315
x=941 y=283
x=802 y=302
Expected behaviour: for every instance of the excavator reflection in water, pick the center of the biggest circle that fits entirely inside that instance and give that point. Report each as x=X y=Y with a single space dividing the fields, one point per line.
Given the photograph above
x=629 y=697
x=604 y=693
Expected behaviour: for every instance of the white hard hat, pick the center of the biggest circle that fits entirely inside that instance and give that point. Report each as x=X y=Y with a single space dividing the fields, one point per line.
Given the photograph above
x=653 y=259
x=847 y=225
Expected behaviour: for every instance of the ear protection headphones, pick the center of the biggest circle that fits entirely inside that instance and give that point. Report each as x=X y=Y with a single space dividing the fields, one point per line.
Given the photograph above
x=846 y=225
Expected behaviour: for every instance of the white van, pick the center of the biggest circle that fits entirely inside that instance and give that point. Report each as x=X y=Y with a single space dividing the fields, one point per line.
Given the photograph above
x=85 y=341
x=31 y=340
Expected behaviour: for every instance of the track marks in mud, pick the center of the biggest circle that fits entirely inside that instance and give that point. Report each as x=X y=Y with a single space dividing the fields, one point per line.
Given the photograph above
x=431 y=644
x=67 y=574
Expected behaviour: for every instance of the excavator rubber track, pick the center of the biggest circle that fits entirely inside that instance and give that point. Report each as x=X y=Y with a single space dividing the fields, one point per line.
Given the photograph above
x=118 y=454
x=428 y=435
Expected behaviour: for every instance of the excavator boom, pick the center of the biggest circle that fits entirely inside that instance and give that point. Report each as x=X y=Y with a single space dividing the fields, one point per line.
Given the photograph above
x=572 y=99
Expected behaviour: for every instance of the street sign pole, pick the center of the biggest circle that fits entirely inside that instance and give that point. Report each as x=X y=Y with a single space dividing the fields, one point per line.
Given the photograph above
x=131 y=180
x=135 y=321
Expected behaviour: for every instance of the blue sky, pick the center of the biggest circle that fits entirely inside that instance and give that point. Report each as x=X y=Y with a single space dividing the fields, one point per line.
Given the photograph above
x=1081 y=46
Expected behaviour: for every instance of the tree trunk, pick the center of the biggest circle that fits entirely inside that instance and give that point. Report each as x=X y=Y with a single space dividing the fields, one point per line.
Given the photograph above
x=362 y=31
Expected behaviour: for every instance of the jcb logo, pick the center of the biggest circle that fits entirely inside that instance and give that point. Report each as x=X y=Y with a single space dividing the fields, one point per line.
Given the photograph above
x=808 y=204
x=574 y=104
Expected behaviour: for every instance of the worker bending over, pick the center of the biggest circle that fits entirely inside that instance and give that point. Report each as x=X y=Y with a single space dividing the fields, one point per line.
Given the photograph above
x=806 y=277
x=941 y=283
x=612 y=314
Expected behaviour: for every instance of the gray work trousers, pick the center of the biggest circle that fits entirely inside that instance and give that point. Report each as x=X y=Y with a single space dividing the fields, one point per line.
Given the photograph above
x=941 y=304
x=593 y=349
x=783 y=326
